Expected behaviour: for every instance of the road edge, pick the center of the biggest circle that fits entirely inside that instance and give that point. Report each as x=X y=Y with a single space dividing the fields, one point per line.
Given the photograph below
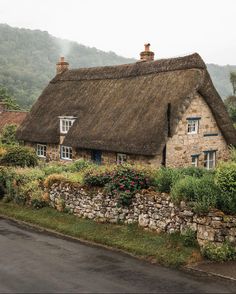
x=29 y=225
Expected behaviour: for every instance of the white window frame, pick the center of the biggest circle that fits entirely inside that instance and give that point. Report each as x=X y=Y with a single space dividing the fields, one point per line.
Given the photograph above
x=66 y=152
x=210 y=163
x=195 y=159
x=41 y=150
x=121 y=158
x=66 y=122
x=192 y=126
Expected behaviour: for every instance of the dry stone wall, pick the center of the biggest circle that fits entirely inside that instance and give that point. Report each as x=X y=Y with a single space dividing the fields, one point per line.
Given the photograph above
x=150 y=210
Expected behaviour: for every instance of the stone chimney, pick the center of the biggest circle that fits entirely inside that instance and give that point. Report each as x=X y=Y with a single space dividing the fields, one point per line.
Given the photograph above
x=146 y=55
x=62 y=65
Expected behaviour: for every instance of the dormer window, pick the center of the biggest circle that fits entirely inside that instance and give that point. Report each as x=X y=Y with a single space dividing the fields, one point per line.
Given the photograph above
x=65 y=123
x=193 y=125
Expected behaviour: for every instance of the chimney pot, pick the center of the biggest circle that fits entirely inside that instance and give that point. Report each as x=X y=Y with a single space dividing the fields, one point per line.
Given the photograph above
x=147 y=47
x=62 y=65
x=147 y=55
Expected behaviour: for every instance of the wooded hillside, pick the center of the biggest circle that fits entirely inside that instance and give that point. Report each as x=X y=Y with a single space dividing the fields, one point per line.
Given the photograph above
x=28 y=58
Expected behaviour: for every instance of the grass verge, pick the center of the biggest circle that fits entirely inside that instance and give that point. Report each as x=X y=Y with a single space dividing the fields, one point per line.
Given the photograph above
x=164 y=249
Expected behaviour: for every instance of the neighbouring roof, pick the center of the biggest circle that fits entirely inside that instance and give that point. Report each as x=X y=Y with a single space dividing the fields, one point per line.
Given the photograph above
x=124 y=108
x=11 y=118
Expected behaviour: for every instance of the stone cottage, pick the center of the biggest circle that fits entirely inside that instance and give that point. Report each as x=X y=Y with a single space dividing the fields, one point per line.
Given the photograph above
x=159 y=112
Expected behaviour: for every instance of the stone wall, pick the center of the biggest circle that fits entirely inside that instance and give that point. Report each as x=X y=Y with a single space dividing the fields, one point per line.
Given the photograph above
x=209 y=137
x=151 y=210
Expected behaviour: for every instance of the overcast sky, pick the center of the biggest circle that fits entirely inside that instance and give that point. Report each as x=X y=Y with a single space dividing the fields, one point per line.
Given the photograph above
x=173 y=27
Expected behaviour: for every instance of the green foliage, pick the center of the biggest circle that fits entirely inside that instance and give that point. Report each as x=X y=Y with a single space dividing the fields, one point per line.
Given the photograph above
x=224 y=252
x=201 y=192
x=76 y=166
x=37 y=203
x=123 y=180
x=232 y=151
x=206 y=194
x=98 y=177
x=233 y=81
x=54 y=178
x=226 y=181
x=81 y=164
x=28 y=60
x=189 y=238
x=19 y=156
x=128 y=179
x=226 y=177
x=9 y=102
x=196 y=172
x=165 y=179
x=8 y=135
x=184 y=189
x=230 y=103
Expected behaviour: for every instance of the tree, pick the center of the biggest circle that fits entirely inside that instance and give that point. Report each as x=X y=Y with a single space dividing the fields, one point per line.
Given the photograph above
x=9 y=135
x=233 y=81
x=230 y=103
x=8 y=100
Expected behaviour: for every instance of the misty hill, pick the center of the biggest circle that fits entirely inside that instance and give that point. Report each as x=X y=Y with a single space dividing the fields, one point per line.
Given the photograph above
x=28 y=58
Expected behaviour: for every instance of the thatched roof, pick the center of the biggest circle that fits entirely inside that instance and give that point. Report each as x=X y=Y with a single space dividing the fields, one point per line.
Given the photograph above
x=123 y=108
x=11 y=118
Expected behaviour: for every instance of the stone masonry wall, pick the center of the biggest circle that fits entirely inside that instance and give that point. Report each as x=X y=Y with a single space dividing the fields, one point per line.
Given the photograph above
x=182 y=145
x=151 y=210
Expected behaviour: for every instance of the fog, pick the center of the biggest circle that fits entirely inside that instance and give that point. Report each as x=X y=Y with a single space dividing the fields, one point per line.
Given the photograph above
x=172 y=27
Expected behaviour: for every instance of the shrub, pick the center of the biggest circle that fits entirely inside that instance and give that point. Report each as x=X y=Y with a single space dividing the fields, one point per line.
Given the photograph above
x=202 y=192
x=226 y=177
x=38 y=203
x=226 y=181
x=184 y=189
x=224 y=252
x=226 y=202
x=206 y=193
x=54 y=178
x=3 y=151
x=127 y=179
x=19 y=156
x=98 y=177
x=189 y=237
x=232 y=151
x=9 y=134
x=7 y=176
x=165 y=179
x=24 y=175
x=193 y=171
x=82 y=164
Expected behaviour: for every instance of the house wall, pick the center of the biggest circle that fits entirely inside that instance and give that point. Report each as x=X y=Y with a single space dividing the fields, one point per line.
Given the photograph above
x=182 y=145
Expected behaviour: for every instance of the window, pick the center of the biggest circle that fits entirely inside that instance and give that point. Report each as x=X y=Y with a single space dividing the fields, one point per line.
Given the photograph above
x=65 y=124
x=195 y=160
x=193 y=126
x=121 y=158
x=209 y=159
x=41 y=150
x=66 y=152
x=96 y=156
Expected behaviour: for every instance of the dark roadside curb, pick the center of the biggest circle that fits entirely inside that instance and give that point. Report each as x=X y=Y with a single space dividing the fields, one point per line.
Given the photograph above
x=198 y=271
x=29 y=226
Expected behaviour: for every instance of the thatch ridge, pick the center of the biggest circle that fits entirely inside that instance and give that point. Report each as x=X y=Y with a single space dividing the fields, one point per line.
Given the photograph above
x=123 y=108
x=132 y=69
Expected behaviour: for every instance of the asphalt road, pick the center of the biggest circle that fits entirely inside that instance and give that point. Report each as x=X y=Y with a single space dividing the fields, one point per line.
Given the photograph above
x=36 y=262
